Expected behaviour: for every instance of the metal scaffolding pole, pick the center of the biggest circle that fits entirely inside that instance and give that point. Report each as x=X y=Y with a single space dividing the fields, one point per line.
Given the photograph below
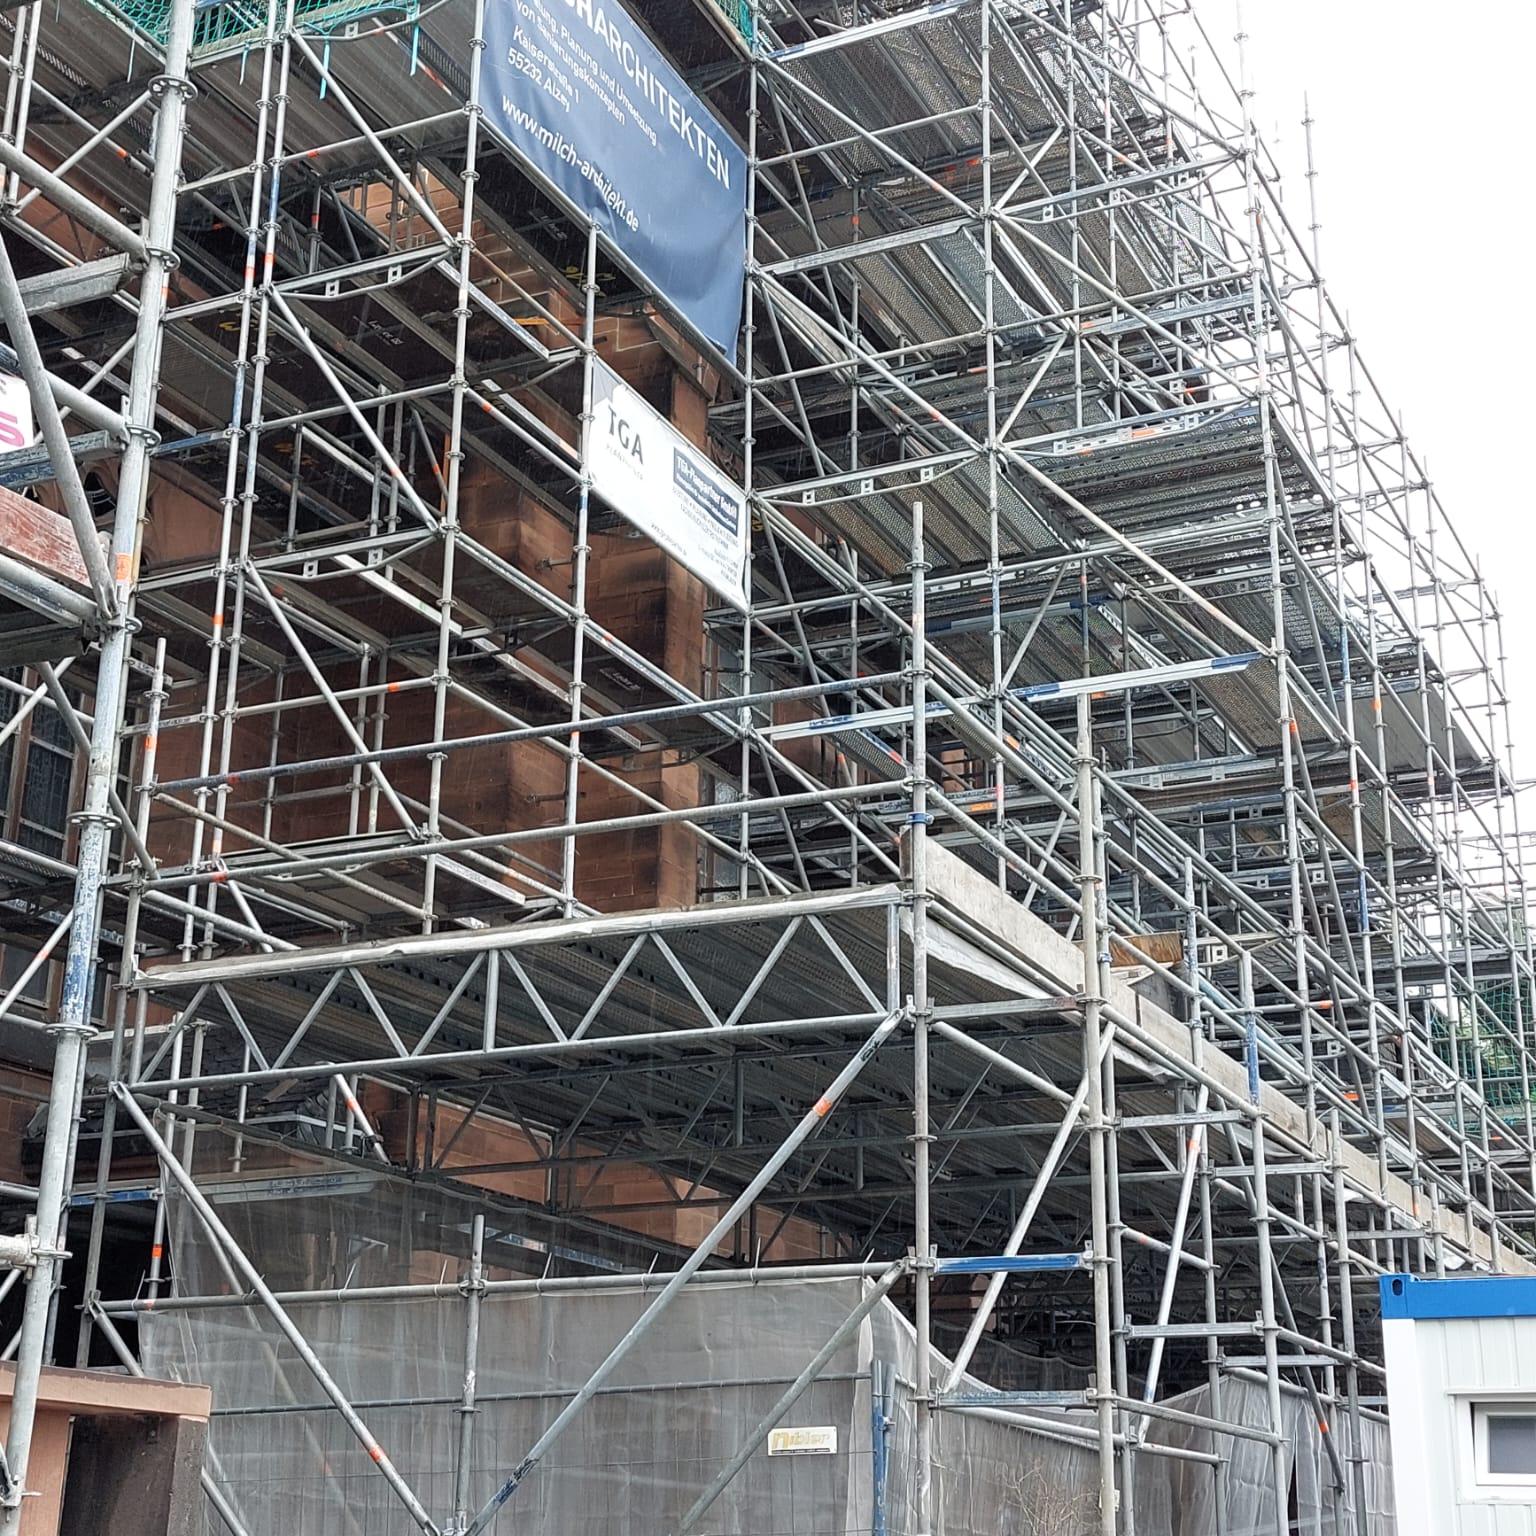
x=1097 y=1125
x=1113 y=709
x=73 y=1024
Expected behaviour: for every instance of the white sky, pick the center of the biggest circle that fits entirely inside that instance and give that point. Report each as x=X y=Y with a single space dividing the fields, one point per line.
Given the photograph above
x=1422 y=146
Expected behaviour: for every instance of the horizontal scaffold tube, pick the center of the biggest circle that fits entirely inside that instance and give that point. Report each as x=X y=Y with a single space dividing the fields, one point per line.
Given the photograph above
x=723 y=706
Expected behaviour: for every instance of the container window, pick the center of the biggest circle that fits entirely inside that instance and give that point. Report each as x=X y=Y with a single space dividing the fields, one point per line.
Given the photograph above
x=1504 y=1442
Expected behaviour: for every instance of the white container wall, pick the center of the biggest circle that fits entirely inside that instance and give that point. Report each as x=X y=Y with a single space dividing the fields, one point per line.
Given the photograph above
x=1461 y=1384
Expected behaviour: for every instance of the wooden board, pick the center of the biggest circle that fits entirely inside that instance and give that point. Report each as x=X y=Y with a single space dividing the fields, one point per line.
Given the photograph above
x=43 y=539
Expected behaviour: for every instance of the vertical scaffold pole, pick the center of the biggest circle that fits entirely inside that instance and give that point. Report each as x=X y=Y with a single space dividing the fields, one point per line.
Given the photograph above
x=158 y=693
x=474 y=1292
x=1129 y=1425
x=1274 y=497
x=1093 y=1005
x=581 y=548
x=922 y=1138
x=73 y=1024
x=454 y=482
x=1345 y=1274
x=749 y=419
x=1269 y=1327
x=994 y=531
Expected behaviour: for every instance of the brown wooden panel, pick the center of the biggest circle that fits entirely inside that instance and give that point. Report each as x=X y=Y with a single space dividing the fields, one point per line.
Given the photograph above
x=42 y=538
x=1166 y=948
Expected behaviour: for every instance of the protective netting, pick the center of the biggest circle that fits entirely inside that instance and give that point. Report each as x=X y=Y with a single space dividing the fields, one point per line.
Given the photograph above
x=1178 y=1498
x=227 y=25
x=667 y=1422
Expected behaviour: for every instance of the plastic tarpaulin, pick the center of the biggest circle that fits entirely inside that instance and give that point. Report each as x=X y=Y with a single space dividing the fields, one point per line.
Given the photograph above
x=1176 y=1498
x=642 y=1451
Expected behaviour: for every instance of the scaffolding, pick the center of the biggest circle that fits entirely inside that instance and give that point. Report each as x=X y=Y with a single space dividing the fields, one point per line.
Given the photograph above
x=1089 y=916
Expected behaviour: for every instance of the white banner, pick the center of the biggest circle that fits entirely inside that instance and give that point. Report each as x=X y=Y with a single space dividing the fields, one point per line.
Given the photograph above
x=650 y=474
x=16 y=427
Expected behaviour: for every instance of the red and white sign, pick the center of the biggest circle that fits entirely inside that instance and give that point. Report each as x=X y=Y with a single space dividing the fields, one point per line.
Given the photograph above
x=17 y=429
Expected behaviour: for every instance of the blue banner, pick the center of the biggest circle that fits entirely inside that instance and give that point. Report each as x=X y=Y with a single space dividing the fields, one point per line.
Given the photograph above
x=580 y=91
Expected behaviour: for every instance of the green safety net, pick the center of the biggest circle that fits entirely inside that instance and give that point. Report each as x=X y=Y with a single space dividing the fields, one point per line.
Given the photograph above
x=1464 y=1048
x=230 y=24
x=221 y=26
x=739 y=14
